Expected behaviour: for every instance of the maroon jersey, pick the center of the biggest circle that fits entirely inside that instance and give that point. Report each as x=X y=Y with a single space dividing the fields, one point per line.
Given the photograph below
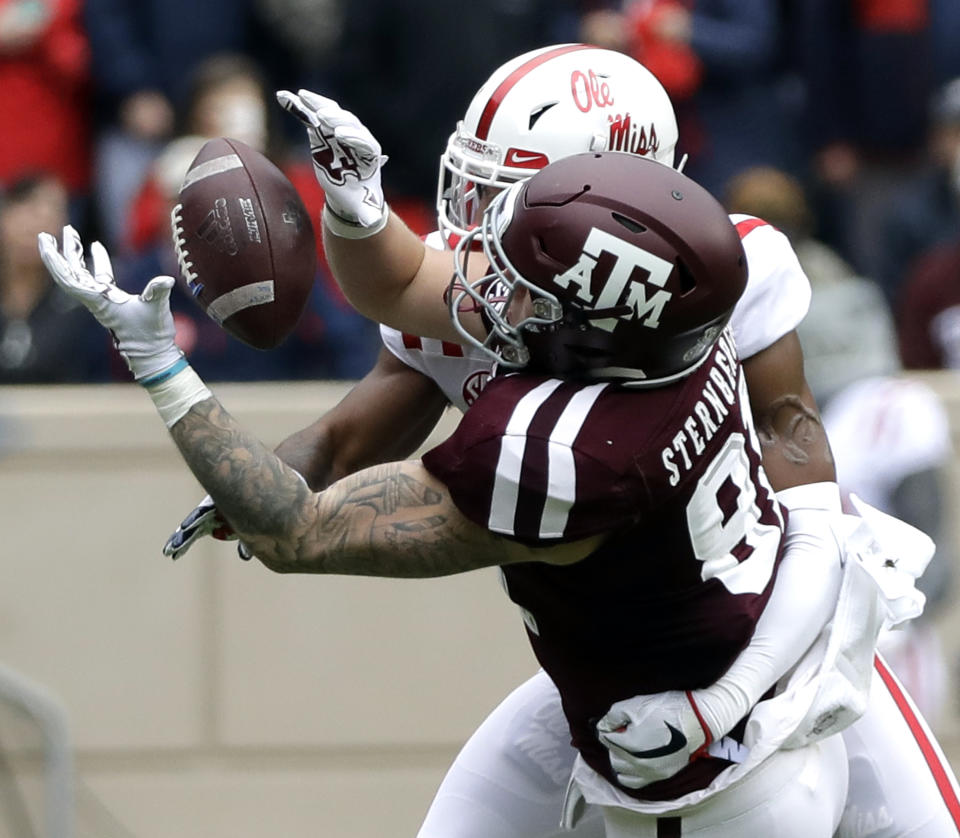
x=673 y=475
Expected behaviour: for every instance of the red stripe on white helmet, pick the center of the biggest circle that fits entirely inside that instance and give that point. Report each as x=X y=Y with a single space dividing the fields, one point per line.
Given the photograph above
x=490 y=109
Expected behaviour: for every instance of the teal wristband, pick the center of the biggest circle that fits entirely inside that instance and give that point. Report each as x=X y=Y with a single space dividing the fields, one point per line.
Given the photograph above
x=162 y=376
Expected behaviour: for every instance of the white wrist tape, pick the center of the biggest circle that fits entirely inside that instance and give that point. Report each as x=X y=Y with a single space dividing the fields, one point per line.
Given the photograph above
x=175 y=394
x=349 y=229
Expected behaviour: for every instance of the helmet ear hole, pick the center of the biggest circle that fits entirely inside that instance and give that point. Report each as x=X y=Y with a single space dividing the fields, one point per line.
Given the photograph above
x=688 y=282
x=539 y=111
x=629 y=223
x=546 y=256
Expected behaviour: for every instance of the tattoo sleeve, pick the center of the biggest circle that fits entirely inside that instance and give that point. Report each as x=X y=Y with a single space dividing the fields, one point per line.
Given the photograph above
x=388 y=520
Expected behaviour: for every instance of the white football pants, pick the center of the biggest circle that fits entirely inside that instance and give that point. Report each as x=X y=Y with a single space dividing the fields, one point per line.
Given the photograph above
x=510 y=778
x=792 y=794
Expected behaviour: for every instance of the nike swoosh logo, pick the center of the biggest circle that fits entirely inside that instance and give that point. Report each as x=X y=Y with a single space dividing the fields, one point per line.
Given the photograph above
x=517 y=157
x=677 y=742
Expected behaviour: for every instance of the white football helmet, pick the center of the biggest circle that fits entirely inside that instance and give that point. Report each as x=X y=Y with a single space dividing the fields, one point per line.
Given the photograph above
x=542 y=106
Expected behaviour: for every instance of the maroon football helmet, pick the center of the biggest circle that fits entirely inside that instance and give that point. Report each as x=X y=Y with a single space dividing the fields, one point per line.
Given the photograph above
x=632 y=270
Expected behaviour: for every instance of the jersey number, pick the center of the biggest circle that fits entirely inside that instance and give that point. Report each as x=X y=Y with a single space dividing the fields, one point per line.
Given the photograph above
x=723 y=517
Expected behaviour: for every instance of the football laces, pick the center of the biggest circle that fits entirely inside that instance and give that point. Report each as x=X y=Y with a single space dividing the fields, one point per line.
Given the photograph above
x=180 y=247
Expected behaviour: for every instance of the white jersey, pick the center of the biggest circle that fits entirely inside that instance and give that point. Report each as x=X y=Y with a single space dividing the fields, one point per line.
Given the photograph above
x=774 y=302
x=900 y=420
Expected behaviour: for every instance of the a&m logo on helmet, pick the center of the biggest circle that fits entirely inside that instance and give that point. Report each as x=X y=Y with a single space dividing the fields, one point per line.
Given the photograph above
x=623 y=292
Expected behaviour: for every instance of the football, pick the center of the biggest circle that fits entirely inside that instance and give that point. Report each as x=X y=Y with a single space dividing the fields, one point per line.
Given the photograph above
x=244 y=243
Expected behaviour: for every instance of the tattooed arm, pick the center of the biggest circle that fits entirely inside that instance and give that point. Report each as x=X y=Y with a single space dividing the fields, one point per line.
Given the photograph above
x=794 y=443
x=389 y=520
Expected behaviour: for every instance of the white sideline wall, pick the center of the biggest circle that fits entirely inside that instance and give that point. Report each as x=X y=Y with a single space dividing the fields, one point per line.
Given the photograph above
x=210 y=697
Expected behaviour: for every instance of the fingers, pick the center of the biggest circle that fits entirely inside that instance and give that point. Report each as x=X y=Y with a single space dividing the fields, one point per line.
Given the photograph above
x=203 y=520
x=319 y=103
x=102 y=267
x=205 y=507
x=315 y=110
x=68 y=268
x=613 y=740
x=197 y=524
x=76 y=282
x=177 y=545
x=612 y=721
x=73 y=249
x=182 y=540
x=291 y=102
x=158 y=289
x=51 y=256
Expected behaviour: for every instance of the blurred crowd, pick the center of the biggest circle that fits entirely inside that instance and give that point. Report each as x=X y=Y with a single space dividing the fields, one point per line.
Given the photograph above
x=838 y=121
x=840 y=118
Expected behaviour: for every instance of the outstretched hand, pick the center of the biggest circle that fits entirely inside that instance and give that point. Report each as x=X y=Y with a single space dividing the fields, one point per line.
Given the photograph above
x=346 y=157
x=204 y=520
x=141 y=325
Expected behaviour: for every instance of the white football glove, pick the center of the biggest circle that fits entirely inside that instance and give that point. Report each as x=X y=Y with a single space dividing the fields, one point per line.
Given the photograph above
x=651 y=737
x=346 y=157
x=142 y=326
x=204 y=520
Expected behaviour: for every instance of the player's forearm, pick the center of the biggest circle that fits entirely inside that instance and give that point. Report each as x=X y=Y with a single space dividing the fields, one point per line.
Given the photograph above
x=792 y=437
x=803 y=600
x=390 y=520
x=393 y=278
x=794 y=443
x=309 y=452
x=264 y=500
x=375 y=272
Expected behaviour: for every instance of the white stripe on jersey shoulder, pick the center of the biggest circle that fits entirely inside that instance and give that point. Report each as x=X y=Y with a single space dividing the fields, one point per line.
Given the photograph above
x=561 y=468
x=506 y=484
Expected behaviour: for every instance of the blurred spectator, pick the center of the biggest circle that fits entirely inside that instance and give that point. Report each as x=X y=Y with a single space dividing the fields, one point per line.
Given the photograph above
x=721 y=61
x=926 y=210
x=144 y=54
x=945 y=35
x=867 y=66
x=779 y=199
x=229 y=98
x=928 y=315
x=604 y=27
x=889 y=435
x=660 y=32
x=434 y=55
x=44 y=108
x=891 y=440
x=45 y=336
x=310 y=31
